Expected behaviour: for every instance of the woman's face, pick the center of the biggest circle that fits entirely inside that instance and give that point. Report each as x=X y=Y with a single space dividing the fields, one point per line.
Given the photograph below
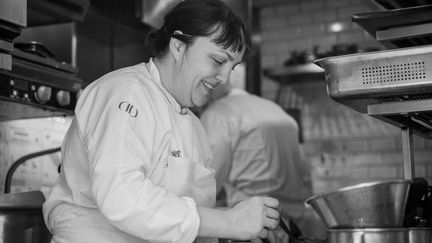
x=203 y=66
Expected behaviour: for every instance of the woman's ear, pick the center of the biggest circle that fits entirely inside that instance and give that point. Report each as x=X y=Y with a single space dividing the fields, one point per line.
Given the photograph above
x=177 y=46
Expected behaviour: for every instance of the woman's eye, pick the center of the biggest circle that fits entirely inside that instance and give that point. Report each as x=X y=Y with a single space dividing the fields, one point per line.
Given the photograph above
x=218 y=61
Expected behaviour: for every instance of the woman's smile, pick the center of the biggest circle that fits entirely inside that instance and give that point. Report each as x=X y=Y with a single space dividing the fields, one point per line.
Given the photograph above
x=209 y=86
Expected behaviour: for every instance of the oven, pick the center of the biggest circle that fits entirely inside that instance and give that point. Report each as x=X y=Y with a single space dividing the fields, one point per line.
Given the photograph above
x=33 y=83
x=37 y=86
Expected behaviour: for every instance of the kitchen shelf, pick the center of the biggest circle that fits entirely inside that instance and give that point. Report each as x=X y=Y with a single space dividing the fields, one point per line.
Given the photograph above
x=415 y=115
x=409 y=115
x=287 y=75
x=409 y=104
x=395 y=28
x=392 y=4
x=394 y=86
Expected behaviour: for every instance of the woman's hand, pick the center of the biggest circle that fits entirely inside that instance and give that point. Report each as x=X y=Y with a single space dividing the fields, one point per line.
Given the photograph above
x=254 y=217
x=247 y=220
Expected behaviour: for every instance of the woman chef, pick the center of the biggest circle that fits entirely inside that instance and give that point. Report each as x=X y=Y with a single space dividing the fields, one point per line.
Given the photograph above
x=134 y=160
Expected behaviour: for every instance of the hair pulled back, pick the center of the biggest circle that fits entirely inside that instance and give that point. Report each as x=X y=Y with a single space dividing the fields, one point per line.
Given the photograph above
x=201 y=18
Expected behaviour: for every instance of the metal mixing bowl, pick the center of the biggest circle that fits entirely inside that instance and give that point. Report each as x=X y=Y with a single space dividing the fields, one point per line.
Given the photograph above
x=379 y=204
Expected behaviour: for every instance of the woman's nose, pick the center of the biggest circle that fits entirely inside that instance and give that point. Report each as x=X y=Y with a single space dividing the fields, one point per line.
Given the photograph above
x=223 y=75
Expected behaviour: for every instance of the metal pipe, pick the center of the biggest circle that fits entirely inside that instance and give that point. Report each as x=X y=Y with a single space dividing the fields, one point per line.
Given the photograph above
x=408 y=156
x=20 y=161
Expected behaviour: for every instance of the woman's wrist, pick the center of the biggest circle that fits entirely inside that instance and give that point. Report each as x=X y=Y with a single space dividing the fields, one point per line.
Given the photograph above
x=215 y=222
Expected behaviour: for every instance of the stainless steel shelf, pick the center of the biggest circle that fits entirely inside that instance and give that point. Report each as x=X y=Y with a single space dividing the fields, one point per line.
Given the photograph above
x=401 y=27
x=288 y=75
x=410 y=116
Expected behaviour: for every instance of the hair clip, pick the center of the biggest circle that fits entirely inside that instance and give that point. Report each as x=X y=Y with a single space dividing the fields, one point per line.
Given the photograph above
x=182 y=37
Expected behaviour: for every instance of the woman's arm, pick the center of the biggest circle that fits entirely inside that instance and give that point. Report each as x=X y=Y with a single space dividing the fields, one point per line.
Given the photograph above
x=249 y=219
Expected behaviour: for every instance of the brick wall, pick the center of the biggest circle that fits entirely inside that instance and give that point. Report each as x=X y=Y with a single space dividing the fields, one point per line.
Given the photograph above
x=344 y=147
x=301 y=25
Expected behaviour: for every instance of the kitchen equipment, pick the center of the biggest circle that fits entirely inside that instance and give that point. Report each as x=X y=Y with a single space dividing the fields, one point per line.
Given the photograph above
x=363 y=79
x=21 y=218
x=13 y=12
x=37 y=87
x=13 y=18
x=46 y=12
x=36 y=48
x=392 y=4
x=372 y=235
x=22 y=160
x=394 y=86
x=378 y=204
x=380 y=235
x=402 y=27
x=427 y=207
x=296 y=237
x=414 y=207
x=34 y=85
x=420 y=235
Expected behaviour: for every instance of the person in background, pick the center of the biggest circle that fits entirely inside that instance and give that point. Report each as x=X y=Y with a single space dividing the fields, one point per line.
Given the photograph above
x=257 y=151
x=135 y=160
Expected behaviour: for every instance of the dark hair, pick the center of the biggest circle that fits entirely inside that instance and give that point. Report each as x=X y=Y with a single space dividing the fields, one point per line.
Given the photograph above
x=201 y=18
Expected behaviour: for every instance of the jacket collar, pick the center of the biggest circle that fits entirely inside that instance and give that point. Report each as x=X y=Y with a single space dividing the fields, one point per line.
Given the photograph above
x=157 y=80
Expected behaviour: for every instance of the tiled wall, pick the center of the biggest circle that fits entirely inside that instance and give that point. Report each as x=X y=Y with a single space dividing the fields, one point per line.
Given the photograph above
x=302 y=24
x=343 y=146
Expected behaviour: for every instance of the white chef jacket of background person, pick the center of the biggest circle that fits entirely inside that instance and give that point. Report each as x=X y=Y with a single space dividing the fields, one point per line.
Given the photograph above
x=133 y=165
x=256 y=151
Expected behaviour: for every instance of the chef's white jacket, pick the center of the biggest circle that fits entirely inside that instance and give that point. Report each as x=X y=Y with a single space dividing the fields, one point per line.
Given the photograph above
x=133 y=165
x=256 y=151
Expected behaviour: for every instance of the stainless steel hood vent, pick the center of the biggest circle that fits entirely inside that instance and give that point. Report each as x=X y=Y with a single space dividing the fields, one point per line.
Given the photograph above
x=391 y=85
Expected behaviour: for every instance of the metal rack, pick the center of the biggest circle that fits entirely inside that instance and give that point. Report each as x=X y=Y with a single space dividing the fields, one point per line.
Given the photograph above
x=395 y=28
x=394 y=85
x=385 y=112
x=401 y=27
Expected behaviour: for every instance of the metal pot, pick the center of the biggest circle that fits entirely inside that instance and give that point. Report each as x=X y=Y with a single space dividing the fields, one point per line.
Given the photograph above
x=372 y=235
x=378 y=204
x=420 y=235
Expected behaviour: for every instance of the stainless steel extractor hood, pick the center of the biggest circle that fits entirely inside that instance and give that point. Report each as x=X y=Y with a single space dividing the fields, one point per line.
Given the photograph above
x=42 y=12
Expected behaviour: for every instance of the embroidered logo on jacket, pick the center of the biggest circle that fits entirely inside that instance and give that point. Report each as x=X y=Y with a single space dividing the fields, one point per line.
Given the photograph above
x=127 y=107
x=176 y=153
